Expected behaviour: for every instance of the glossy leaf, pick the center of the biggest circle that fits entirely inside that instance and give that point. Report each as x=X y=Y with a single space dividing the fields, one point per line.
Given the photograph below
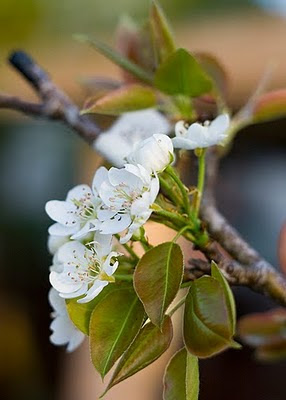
x=163 y=40
x=181 y=380
x=207 y=325
x=113 y=326
x=229 y=299
x=128 y=98
x=157 y=279
x=180 y=73
x=270 y=106
x=263 y=328
x=80 y=313
x=147 y=347
x=117 y=58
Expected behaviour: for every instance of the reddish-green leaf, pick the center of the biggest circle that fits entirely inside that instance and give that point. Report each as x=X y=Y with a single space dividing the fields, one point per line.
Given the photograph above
x=113 y=326
x=181 y=380
x=207 y=324
x=180 y=73
x=229 y=299
x=262 y=328
x=150 y=344
x=128 y=98
x=282 y=248
x=270 y=106
x=214 y=69
x=163 y=40
x=157 y=279
x=80 y=313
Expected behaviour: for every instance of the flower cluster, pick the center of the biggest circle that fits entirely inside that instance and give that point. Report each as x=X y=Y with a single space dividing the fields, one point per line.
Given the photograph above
x=118 y=202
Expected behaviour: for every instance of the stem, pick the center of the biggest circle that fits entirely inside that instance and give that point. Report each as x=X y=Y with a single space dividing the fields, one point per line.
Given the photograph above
x=182 y=188
x=177 y=306
x=122 y=277
x=201 y=181
x=177 y=219
x=180 y=233
x=186 y=284
x=128 y=249
x=169 y=192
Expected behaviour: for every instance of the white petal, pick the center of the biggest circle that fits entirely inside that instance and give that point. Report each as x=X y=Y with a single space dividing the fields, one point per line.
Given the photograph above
x=220 y=124
x=123 y=177
x=108 y=195
x=181 y=129
x=90 y=226
x=100 y=176
x=60 y=282
x=55 y=242
x=115 y=225
x=104 y=214
x=78 y=192
x=71 y=251
x=62 y=212
x=93 y=291
x=183 y=143
x=56 y=302
x=102 y=244
x=107 y=267
x=75 y=340
x=58 y=229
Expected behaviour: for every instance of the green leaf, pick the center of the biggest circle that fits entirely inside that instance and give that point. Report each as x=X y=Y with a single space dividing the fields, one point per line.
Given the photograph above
x=207 y=324
x=128 y=98
x=80 y=313
x=181 y=380
x=180 y=73
x=113 y=326
x=157 y=279
x=148 y=345
x=270 y=106
x=117 y=58
x=162 y=36
x=215 y=70
x=229 y=299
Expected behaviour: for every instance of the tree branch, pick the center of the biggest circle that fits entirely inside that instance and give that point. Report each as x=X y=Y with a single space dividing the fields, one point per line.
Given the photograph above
x=56 y=105
x=247 y=267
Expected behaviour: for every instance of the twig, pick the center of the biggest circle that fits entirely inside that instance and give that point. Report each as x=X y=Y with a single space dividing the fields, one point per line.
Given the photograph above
x=55 y=104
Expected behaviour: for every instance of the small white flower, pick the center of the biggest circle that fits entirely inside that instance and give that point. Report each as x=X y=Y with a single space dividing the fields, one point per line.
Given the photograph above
x=200 y=136
x=129 y=129
x=63 y=330
x=77 y=215
x=154 y=153
x=55 y=242
x=79 y=270
x=127 y=194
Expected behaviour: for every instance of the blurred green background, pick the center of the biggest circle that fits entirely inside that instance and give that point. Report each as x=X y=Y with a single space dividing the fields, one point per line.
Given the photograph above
x=41 y=160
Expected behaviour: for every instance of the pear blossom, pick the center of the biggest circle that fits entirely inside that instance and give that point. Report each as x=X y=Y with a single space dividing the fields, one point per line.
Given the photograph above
x=77 y=215
x=127 y=195
x=201 y=135
x=154 y=153
x=119 y=141
x=55 y=242
x=84 y=270
x=63 y=330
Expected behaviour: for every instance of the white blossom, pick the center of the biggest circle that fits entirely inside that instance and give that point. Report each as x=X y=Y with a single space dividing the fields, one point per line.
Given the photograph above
x=84 y=270
x=201 y=135
x=127 y=194
x=55 y=242
x=63 y=330
x=77 y=215
x=132 y=127
x=154 y=153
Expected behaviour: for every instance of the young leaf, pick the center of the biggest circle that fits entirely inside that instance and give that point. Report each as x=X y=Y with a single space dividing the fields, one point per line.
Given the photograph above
x=117 y=58
x=180 y=73
x=80 y=313
x=149 y=344
x=181 y=380
x=113 y=326
x=229 y=299
x=157 y=279
x=270 y=106
x=128 y=98
x=207 y=325
x=163 y=40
